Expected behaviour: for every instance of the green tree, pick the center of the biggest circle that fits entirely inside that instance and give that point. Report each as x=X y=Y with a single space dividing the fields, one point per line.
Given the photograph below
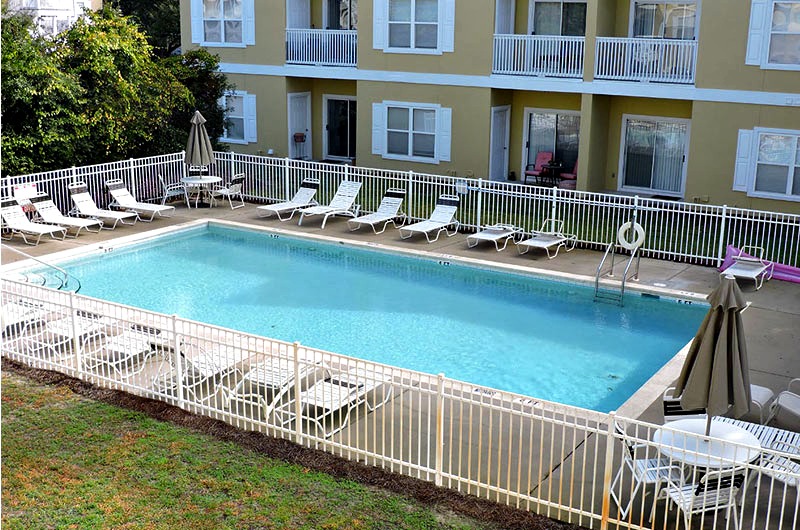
x=159 y=19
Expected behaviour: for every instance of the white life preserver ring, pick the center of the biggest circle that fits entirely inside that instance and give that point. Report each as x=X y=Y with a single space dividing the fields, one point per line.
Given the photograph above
x=622 y=235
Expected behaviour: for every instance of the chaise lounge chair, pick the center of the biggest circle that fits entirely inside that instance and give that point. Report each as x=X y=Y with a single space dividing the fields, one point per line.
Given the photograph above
x=125 y=201
x=15 y=220
x=442 y=218
x=752 y=267
x=57 y=337
x=497 y=233
x=785 y=410
x=48 y=212
x=86 y=207
x=388 y=212
x=343 y=203
x=551 y=236
x=124 y=355
x=303 y=198
x=17 y=315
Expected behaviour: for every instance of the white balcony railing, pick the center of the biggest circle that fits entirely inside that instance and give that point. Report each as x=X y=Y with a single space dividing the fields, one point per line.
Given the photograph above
x=637 y=59
x=322 y=47
x=540 y=55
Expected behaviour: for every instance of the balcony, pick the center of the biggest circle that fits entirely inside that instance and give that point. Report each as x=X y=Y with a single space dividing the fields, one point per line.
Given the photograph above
x=637 y=59
x=322 y=47
x=538 y=55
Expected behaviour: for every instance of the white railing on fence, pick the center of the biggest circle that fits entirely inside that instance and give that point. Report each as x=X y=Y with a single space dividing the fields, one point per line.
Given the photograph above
x=556 y=460
x=541 y=55
x=640 y=59
x=323 y=47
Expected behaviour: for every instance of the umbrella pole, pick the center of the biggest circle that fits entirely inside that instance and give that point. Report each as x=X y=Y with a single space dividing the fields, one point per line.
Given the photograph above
x=708 y=425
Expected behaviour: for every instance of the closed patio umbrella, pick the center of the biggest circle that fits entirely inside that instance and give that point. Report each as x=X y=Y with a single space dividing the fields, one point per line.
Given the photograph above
x=716 y=375
x=198 y=149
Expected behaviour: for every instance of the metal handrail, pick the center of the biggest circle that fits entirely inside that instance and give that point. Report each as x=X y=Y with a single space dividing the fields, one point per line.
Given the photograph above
x=65 y=276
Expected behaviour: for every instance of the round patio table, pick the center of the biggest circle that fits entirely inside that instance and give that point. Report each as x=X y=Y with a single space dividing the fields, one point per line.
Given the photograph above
x=203 y=182
x=728 y=446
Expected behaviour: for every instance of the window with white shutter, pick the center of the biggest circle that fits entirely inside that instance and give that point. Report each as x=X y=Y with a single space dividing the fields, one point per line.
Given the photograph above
x=240 y=118
x=773 y=40
x=223 y=23
x=415 y=132
x=414 y=26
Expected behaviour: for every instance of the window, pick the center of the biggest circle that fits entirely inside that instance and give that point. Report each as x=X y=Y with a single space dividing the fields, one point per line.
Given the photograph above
x=240 y=118
x=555 y=133
x=665 y=20
x=654 y=155
x=768 y=163
x=563 y=17
x=774 y=36
x=223 y=23
x=414 y=26
x=411 y=131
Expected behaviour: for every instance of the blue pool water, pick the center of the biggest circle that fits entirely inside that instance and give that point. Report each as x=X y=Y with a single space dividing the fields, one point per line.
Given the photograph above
x=540 y=338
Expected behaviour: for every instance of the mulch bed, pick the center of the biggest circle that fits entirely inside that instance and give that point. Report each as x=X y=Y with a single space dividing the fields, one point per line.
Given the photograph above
x=479 y=509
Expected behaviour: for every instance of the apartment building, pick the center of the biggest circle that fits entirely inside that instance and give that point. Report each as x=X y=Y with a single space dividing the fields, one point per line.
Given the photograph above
x=697 y=100
x=54 y=16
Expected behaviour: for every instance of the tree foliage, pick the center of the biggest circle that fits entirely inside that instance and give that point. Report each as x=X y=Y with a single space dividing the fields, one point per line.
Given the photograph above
x=160 y=20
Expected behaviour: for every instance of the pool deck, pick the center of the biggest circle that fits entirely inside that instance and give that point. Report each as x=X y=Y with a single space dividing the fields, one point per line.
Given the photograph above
x=772 y=322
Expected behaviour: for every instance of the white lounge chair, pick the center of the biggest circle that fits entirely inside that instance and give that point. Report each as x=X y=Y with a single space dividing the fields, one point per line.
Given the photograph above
x=751 y=265
x=86 y=207
x=15 y=221
x=48 y=212
x=785 y=410
x=496 y=233
x=57 y=337
x=124 y=355
x=125 y=201
x=303 y=198
x=18 y=315
x=551 y=236
x=343 y=203
x=388 y=212
x=441 y=220
x=229 y=191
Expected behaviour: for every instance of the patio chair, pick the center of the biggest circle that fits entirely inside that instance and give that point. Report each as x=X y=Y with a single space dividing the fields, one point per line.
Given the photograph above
x=47 y=211
x=124 y=355
x=229 y=191
x=170 y=191
x=781 y=467
x=645 y=465
x=343 y=203
x=751 y=265
x=18 y=315
x=16 y=222
x=86 y=207
x=303 y=198
x=568 y=180
x=550 y=236
x=388 y=212
x=57 y=337
x=125 y=201
x=441 y=220
x=785 y=410
x=535 y=170
x=496 y=233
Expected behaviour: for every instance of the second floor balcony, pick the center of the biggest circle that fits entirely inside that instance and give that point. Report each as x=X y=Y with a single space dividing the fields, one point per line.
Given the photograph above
x=644 y=59
x=322 y=47
x=538 y=55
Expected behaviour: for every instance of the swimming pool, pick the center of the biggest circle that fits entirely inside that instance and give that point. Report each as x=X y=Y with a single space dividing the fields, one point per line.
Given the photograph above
x=508 y=331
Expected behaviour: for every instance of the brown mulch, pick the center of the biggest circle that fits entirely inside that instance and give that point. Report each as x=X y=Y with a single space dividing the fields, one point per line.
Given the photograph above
x=479 y=509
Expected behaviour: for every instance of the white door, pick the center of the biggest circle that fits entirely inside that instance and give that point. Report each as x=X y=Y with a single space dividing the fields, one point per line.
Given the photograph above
x=299 y=107
x=498 y=154
x=504 y=17
x=298 y=14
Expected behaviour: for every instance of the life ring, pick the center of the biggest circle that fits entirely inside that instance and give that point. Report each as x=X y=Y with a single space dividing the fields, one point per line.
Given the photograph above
x=622 y=235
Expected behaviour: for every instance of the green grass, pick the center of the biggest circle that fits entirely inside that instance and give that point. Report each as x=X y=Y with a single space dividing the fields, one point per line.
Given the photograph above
x=70 y=462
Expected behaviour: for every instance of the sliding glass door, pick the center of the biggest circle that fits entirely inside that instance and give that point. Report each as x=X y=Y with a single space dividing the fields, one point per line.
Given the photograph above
x=556 y=133
x=340 y=128
x=654 y=155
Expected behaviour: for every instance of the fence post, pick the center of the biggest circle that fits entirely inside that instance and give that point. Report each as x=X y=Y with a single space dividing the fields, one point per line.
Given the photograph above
x=607 y=470
x=439 y=429
x=76 y=343
x=554 y=203
x=411 y=204
x=286 y=177
x=479 y=213
x=131 y=181
x=298 y=407
x=722 y=228
x=176 y=362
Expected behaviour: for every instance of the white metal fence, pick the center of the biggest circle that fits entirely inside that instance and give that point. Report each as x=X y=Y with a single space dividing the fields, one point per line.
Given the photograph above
x=639 y=59
x=678 y=231
x=552 y=459
x=542 y=55
x=323 y=47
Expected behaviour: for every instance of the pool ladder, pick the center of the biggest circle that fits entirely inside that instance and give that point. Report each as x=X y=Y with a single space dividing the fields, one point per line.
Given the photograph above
x=64 y=281
x=611 y=295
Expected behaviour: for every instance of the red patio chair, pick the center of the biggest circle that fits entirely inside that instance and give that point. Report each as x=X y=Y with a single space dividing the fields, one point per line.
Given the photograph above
x=535 y=169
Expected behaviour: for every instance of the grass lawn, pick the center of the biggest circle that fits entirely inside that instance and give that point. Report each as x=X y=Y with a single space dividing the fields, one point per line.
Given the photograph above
x=71 y=462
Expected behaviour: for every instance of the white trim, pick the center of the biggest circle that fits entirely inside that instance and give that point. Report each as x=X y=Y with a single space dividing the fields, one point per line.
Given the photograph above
x=197 y=28
x=526 y=125
x=568 y=86
x=621 y=168
x=442 y=130
x=756 y=30
x=249 y=134
x=506 y=140
x=751 y=191
x=326 y=98
x=765 y=64
x=743 y=167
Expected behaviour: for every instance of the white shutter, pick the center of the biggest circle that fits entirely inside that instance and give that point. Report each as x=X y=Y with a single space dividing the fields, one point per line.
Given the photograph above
x=443 y=133
x=249 y=26
x=447 y=13
x=250 y=132
x=378 y=128
x=758 y=32
x=744 y=160
x=196 y=9
x=380 y=16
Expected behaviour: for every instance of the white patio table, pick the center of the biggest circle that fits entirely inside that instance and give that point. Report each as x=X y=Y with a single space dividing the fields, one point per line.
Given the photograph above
x=728 y=446
x=203 y=182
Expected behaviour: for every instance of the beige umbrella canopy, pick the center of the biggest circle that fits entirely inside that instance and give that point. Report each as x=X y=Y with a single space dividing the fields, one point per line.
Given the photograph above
x=198 y=148
x=716 y=375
